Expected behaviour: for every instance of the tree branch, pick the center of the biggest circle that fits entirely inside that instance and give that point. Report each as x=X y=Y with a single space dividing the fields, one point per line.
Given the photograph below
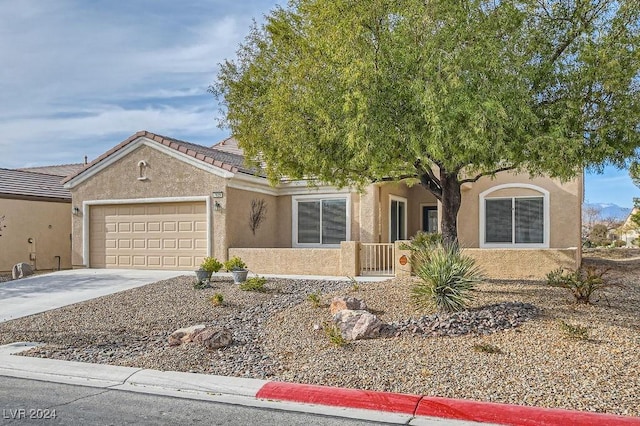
x=475 y=179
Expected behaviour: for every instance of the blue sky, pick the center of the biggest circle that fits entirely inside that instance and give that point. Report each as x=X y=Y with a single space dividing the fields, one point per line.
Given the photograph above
x=78 y=77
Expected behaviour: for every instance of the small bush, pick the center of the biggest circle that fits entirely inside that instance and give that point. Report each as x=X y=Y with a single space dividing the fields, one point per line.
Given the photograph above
x=199 y=285
x=211 y=264
x=355 y=287
x=574 y=331
x=333 y=333
x=314 y=299
x=254 y=284
x=422 y=245
x=583 y=283
x=217 y=299
x=448 y=278
x=235 y=263
x=487 y=348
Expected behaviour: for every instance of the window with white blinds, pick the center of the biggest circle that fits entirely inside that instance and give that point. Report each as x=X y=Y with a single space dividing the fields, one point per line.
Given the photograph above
x=320 y=221
x=514 y=220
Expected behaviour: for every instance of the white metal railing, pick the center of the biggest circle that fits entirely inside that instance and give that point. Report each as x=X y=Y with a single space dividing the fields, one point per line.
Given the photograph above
x=377 y=259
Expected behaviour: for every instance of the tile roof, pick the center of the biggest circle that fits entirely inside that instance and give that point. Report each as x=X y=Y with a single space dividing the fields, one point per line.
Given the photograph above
x=61 y=170
x=26 y=184
x=229 y=145
x=216 y=157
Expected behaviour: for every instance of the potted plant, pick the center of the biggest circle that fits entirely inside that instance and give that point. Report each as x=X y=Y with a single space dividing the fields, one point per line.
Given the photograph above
x=208 y=266
x=238 y=269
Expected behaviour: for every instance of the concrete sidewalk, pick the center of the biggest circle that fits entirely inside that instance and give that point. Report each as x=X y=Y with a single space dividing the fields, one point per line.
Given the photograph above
x=39 y=293
x=350 y=403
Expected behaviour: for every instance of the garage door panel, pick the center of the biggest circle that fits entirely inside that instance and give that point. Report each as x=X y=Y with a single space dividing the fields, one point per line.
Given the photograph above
x=170 y=235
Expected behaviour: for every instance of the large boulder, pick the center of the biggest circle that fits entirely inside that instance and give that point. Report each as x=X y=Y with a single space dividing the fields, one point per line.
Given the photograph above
x=214 y=338
x=357 y=324
x=185 y=335
x=340 y=303
x=21 y=270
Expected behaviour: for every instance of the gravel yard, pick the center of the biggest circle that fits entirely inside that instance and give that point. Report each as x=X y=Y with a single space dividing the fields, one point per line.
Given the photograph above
x=275 y=337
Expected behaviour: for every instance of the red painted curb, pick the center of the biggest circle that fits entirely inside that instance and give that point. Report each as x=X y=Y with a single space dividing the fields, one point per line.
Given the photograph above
x=457 y=409
x=508 y=414
x=340 y=397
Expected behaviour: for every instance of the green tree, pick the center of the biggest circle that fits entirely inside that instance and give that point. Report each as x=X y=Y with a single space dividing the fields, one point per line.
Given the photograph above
x=441 y=91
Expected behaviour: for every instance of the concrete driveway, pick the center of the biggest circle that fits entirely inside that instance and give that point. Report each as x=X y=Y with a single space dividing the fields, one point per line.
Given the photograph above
x=28 y=296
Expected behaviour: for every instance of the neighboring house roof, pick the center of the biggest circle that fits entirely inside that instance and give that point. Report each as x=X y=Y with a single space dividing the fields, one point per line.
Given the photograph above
x=219 y=158
x=61 y=170
x=30 y=185
x=229 y=145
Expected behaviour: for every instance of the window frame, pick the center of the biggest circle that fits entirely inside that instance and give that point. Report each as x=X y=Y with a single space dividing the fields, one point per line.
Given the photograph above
x=543 y=193
x=319 y=198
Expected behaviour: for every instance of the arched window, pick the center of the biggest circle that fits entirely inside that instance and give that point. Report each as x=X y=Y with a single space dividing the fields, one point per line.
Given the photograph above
x=514 y=216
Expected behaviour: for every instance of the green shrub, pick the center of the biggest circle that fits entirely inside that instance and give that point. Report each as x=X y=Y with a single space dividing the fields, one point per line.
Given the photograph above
x=422 y=245
x=583 y=283
x=447 y=279
x=333 y=333
x=254 y=284
x=314 y=299
x=199 y=285
x=235 y=263
x=217 y=299
x=574 y=331
x=211 y=264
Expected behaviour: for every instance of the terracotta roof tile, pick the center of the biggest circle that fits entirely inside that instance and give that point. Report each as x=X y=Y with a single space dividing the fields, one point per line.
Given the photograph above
x=223 y=159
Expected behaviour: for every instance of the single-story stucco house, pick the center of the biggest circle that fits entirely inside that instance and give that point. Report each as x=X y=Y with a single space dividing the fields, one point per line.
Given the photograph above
x=36 y=217
x=158 y=202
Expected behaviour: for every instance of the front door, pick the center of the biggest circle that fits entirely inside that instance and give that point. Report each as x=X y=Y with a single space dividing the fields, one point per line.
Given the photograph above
x=430 y=218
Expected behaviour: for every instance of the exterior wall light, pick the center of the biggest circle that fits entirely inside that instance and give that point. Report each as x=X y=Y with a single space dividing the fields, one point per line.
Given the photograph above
x=76 y=211
x=217 y=206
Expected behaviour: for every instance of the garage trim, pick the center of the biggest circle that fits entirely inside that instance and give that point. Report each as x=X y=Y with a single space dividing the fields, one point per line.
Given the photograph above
x=86 y=205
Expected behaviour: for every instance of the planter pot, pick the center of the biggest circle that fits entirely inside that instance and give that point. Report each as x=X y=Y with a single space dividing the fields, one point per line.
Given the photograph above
x=203 y=275
x=239 y=276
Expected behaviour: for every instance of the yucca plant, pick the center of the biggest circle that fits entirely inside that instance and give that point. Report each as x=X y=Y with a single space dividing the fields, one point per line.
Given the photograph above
x=447 y=278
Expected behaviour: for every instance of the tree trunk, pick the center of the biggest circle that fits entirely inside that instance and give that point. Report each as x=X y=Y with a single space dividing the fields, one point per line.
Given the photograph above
x=451 y=200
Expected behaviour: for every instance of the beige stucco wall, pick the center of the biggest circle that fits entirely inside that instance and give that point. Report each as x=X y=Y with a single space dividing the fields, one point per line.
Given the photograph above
x=49 y=226
x=298 y=261
x=238 y=210
x=166 y=177
x=522 y=264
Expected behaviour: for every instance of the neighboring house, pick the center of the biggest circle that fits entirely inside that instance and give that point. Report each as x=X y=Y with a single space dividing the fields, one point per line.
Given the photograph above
x=37 y=215
x=629 y=231
x=158 y=202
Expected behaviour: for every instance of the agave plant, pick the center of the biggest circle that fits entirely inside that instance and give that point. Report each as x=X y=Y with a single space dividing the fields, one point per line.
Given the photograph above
x=447 y=279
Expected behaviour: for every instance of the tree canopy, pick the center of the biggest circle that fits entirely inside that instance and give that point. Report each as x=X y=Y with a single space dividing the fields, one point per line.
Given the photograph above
x=355 y=91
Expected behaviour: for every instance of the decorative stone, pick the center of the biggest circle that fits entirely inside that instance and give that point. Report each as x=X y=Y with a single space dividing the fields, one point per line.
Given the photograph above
x=357 y=324
x=339 y=303
x=214 y=338
x=21 y=270
x=185 y=335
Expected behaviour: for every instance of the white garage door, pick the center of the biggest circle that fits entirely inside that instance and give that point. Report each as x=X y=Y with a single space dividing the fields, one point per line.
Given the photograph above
x=148 y=236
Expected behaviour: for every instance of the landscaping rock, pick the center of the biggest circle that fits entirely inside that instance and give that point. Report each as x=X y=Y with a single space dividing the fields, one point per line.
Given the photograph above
x=339 y=303
x=357 y=324
x=21 y=270
x=185 y=335
x=214 y=338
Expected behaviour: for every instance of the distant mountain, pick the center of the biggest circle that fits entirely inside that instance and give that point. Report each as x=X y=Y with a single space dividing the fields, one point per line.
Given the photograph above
x=608 y=210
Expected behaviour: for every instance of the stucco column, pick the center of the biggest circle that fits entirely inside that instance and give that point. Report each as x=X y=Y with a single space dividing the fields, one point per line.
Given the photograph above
x=402 y=259
x=369 y=214
x=350 y=258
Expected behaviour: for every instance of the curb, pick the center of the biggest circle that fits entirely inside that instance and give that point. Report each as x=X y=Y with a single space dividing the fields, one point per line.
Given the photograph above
x=342 y=402
x=444 y=408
